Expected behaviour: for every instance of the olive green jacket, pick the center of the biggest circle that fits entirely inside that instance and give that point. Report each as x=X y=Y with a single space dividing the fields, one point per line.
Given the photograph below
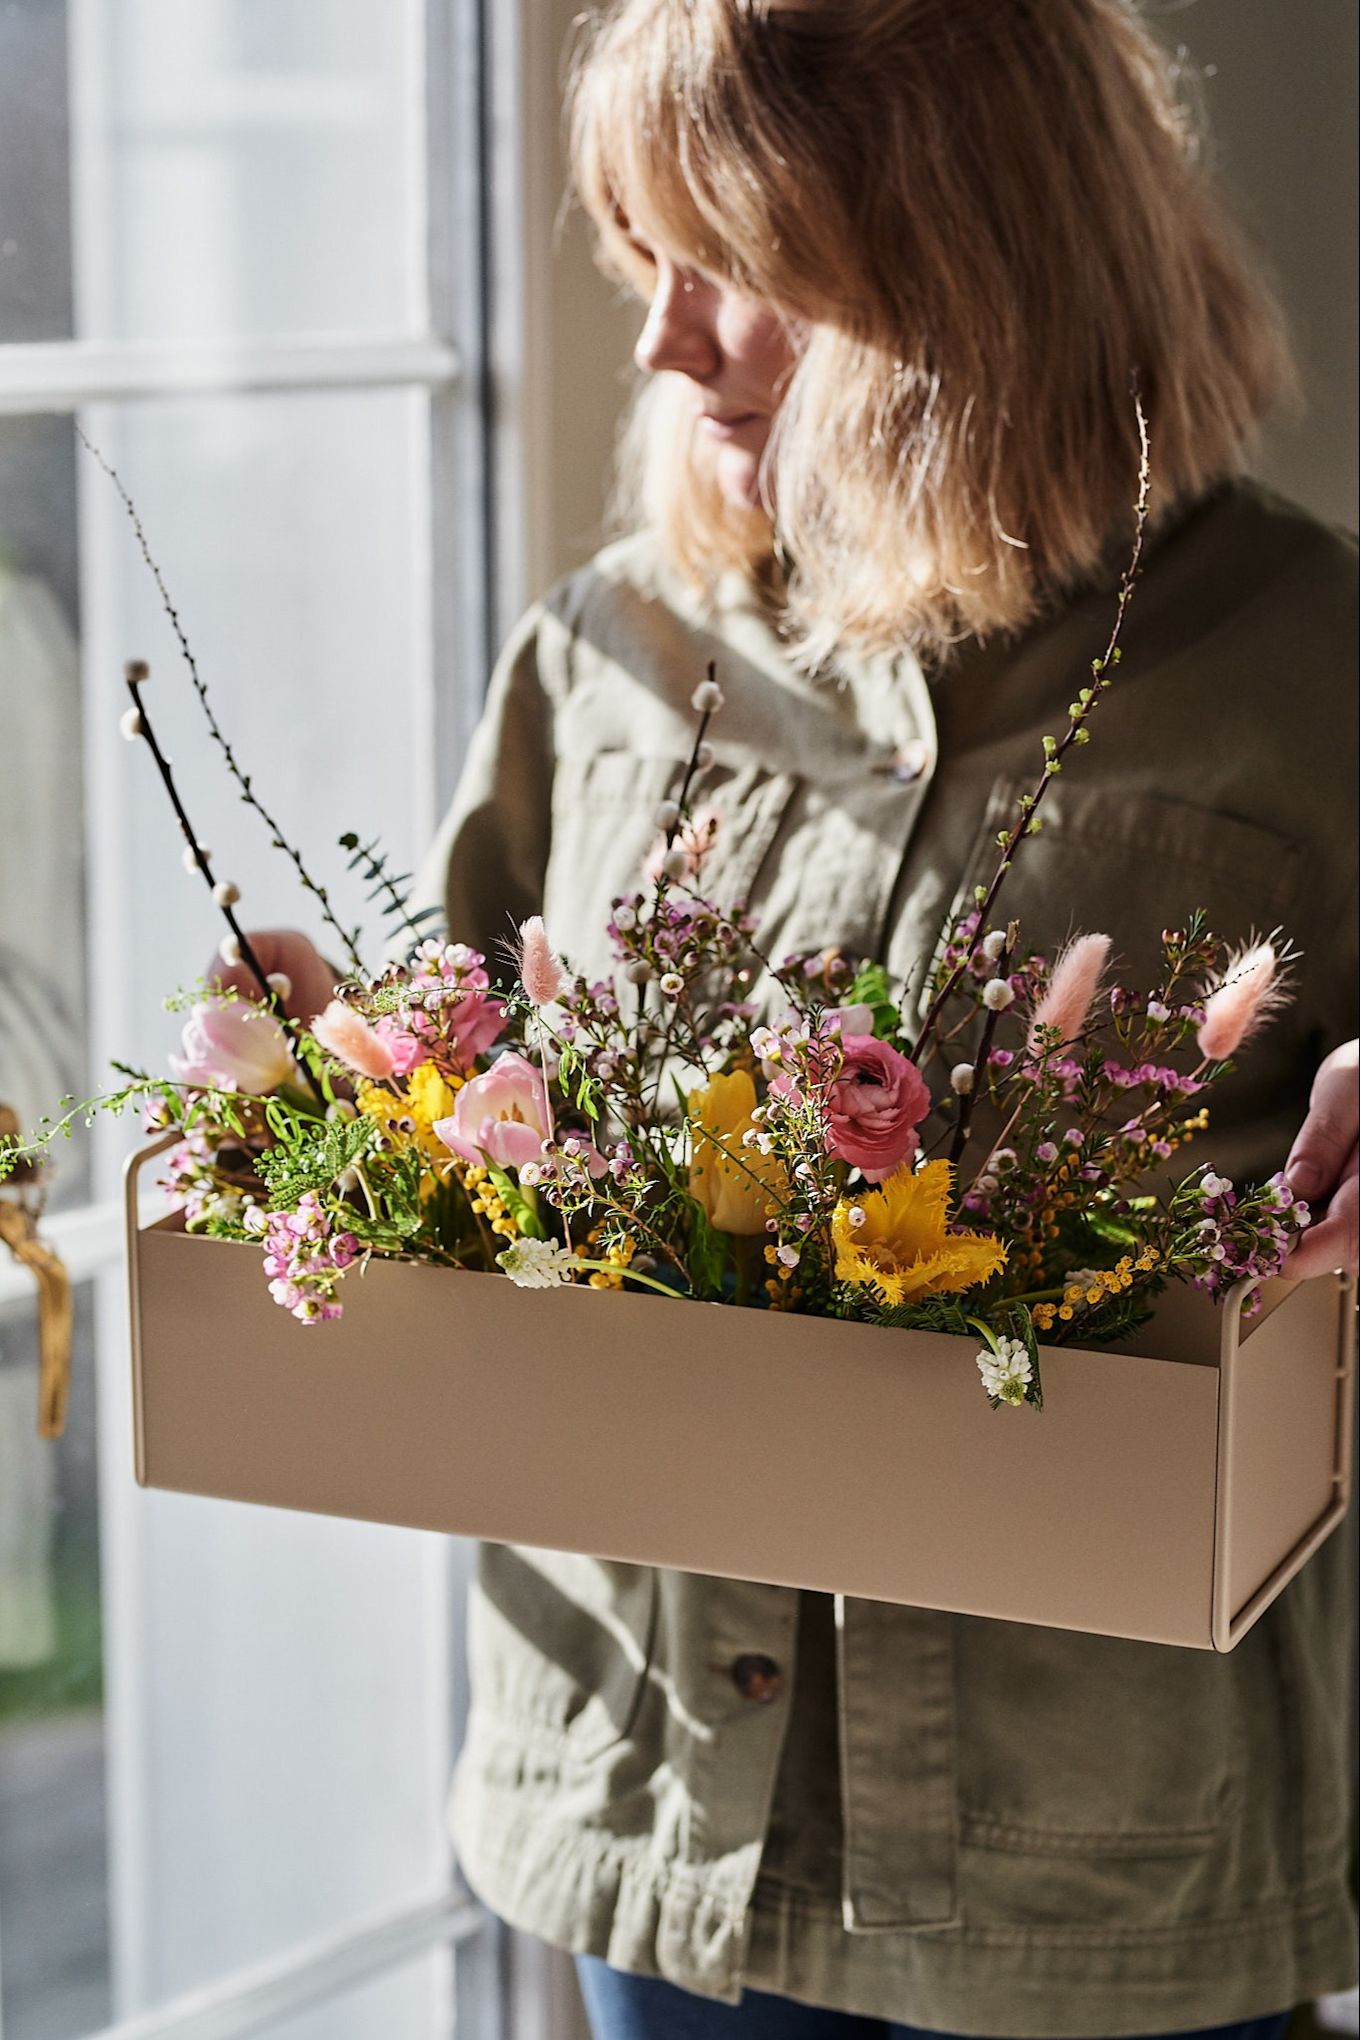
x=959 y=1823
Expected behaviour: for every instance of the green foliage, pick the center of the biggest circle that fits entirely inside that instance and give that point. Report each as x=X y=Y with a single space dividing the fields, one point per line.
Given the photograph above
x=576 y=1080
x=311 y=1154
x=870 y=988
x=520 y=1206
x=396 y=1184
x=706 y=1254
x=389 y=885
x=1114 y=1319
x=927 y=1314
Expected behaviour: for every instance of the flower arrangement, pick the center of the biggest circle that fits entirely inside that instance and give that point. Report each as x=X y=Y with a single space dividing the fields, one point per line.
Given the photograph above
x=707 y=1123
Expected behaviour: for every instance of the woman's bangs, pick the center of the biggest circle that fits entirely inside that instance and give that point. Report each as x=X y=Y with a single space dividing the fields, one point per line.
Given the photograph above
x=639 y=167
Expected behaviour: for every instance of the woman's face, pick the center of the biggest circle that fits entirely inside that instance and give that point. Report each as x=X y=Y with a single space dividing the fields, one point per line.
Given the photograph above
x=734 y=350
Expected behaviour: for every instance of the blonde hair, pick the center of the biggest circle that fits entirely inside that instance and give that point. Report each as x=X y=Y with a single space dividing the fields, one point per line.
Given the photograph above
x=983 y=219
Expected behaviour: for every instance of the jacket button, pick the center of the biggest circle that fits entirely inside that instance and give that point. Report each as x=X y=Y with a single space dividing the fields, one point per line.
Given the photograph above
x=908 y=762
x=756 y=1677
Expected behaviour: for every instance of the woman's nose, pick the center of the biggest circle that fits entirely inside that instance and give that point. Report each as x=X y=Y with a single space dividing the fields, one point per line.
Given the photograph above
x=678 y=334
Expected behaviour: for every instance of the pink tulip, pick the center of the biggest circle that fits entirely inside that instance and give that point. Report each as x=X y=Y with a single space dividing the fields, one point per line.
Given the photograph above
x=348 y=1037
x=847 y=1020
x=1067 y=999
x=475 y=1024
x=501 y=1115
x=234 y=1045
x=875 y=1106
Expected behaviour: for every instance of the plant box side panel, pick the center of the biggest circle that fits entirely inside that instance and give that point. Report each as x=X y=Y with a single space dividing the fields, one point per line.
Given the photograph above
x=802 y=1452
x=1282 y=1449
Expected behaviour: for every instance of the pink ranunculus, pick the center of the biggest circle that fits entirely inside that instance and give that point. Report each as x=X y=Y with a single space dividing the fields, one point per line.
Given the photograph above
x=875 y=1106
x=501 y=1115
x=475 y=1024
x=235 y=1045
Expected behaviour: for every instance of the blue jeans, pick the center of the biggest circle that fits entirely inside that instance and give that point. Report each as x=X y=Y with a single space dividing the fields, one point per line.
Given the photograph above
x=623 y=2007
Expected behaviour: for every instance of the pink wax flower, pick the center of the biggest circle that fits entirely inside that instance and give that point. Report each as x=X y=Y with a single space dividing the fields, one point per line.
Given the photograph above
x=234 y=1045
x=875 y=1106
x=501 y=1116
x=348 y=1037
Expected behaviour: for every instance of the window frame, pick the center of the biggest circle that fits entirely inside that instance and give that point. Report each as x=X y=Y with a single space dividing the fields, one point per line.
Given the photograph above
x=470 y=359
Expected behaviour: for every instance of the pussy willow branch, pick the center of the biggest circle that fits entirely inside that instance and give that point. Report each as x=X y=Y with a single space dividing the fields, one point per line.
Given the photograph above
x=1079 y=713
x=135 y=674
x=963 y=1132
x=248 y=795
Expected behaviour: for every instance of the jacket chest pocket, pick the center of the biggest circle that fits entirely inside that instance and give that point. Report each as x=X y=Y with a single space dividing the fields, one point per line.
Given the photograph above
x=1128 y=864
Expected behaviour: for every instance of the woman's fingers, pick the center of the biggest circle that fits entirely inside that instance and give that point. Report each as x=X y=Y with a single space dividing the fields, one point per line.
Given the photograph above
x=1330 y=1242
x=286 y=952
x=1328 y=1134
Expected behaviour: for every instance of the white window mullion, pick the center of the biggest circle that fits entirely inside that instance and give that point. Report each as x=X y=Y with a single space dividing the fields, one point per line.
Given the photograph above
x=63 y=376
x=254 y=2000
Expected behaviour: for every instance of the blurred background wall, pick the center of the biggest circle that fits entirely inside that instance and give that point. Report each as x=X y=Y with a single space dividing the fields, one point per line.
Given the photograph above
x=1277 y=83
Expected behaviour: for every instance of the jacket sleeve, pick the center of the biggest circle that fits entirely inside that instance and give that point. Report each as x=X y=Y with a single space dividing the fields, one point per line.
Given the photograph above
x=487 y=864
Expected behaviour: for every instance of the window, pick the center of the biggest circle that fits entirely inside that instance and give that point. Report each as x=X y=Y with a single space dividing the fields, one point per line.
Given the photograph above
x=241 y=246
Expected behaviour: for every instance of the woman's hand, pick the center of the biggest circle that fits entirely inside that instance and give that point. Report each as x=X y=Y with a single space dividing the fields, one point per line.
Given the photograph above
x=1322 y=1169
x=310 y=978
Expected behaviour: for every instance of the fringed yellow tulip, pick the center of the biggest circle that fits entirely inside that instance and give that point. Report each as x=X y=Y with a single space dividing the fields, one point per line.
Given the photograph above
x=735 y=1193
x=901 y=1242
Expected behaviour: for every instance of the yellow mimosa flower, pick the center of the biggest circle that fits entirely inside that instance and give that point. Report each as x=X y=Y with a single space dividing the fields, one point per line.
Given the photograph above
x=898 y=1238
x=408 y=1118
x=735 y=1194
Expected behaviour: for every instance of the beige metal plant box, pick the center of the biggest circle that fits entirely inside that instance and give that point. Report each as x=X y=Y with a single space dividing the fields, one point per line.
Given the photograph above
x=1166 y=1494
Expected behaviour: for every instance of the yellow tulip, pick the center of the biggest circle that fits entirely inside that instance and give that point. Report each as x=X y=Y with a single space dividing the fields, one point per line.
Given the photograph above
x=903 y=1246
x=734 y=1193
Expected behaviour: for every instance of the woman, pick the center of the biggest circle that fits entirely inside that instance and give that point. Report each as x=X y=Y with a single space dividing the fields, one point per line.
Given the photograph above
x=904 y=260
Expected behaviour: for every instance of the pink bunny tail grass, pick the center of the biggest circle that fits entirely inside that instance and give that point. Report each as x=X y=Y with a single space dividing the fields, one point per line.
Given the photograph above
x=540 y=972
x=350 y=1039
x=1250 y=991
x=1072 y=987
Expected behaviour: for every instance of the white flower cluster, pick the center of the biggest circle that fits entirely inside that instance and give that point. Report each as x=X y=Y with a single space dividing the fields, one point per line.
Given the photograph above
x=1007 y=1373
x=537 y=1264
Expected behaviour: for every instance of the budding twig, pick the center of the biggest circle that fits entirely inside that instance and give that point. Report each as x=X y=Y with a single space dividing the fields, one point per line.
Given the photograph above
x=136 y=673
x=1055 y=749
x=248 y=795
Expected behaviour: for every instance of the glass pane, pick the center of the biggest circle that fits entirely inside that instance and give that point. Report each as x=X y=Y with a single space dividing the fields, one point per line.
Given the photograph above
x=35 y=172
x=42 y=939
x=54 y=1926
x=276 y=1732
x=217 y=171
x=414 y=1999
x=289 y=531
x=278 y=1726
